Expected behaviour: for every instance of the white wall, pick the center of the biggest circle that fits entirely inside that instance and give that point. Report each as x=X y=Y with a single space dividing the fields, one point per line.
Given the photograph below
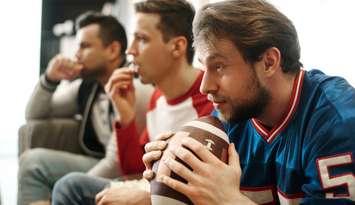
x=326 y=30
x=19 y=67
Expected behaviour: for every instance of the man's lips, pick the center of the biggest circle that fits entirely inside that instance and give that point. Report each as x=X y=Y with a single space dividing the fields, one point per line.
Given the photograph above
x=218 y=104
x=216 y=100
x=134 y=66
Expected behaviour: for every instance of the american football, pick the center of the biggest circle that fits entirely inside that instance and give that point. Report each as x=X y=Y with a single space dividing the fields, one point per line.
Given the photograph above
x=208 y=131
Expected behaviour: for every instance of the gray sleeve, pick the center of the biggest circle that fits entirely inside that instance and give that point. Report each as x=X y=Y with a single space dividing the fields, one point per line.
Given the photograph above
x=107 y=167
x=51 y=100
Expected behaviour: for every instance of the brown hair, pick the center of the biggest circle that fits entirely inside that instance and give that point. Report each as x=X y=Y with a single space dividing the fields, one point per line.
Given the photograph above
x=176 y=18
x=110 y=28
x=253 y=26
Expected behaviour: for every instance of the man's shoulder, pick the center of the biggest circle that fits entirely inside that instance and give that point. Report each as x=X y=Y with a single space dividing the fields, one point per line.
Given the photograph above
x=326 y=114
x=328 y=97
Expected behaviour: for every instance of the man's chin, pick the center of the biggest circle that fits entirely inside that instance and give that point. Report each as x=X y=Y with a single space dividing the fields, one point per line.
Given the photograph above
x=87 y=76
x=144 y=80
x=231 y=117
x=90 y=75
x=225 y=117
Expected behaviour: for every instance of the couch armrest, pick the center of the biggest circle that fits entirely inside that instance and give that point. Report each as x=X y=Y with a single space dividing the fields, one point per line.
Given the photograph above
x=58 y=134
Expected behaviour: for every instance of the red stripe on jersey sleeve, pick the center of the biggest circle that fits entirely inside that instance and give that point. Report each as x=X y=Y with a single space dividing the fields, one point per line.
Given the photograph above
x=130 y=151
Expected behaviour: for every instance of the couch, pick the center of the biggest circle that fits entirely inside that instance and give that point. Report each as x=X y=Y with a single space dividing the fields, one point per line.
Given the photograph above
x=62 y=133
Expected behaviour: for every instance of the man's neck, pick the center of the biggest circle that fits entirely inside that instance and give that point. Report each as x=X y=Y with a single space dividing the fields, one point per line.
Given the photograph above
x=280 y=97
x=103 y=79
x=179 y=81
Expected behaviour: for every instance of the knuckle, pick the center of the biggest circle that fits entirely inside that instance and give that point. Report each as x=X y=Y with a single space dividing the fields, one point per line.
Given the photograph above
x=164 y=136
x=160 y=137
x=152 y=156
x=195 y=192
x=148 y=174
x=156 y=154
x=184 y=155
x=156 y=145
x=172 y=184
x=198 y=147
x=161 y=145
x=178 y=168
x=147 y=158
x=147 y=147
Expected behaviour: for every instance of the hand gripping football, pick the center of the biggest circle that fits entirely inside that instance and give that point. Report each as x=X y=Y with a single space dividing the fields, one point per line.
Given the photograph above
x=208 y=131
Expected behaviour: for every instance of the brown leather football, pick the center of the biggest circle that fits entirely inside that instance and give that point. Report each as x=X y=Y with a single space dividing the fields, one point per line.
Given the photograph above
x=207 y=130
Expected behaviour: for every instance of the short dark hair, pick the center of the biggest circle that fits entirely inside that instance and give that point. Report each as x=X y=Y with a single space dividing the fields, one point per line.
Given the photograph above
x=176 y=18
x=253 y=26
x=110 y=28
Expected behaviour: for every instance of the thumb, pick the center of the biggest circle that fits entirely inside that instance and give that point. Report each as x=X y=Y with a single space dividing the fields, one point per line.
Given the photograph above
x=233 y=157
x=100 y=195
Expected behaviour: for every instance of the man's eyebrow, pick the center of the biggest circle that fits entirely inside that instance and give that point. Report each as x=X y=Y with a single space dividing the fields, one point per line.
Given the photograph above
x=83 y=43
x=212 y=57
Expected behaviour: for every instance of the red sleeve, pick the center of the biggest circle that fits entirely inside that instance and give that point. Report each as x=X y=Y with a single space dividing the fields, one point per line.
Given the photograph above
x=202 y=105
x=130 y=149
x=200 y=102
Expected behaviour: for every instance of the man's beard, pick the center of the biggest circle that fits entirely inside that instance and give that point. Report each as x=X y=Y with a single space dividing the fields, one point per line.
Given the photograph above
x=92 y=74
x=251 y=109
x=247 y=109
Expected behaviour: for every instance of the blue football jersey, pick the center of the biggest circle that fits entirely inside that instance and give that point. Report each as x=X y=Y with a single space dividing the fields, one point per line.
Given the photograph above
x=308 y=158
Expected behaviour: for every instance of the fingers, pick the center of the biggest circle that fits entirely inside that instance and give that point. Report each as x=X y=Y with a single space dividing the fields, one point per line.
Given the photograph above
x=150 y=157
x=155 y=145
x=122 y=74
x=120 y=88
x=148 y=174
x=118 y=77
x=61 y=67
x=100 y=195
x=160 y=143
x=175 y=184
x=233 y=157
x=233 y=160
x=154 y=151
x=188 y=157
x=70 y=68
x=164 y=136
x=199 y=150
x=179 y=169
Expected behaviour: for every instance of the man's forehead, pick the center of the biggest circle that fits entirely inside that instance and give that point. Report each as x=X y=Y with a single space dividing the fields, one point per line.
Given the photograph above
x=147 y=20
x=207 y=52
x=212 y=49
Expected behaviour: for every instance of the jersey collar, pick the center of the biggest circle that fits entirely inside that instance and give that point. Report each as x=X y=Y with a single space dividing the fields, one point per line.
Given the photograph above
x=269 y=135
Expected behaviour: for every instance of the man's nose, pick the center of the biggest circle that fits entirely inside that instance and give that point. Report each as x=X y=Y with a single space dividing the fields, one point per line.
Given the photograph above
x=131 y=50
x=77 y=54
x=208 y=84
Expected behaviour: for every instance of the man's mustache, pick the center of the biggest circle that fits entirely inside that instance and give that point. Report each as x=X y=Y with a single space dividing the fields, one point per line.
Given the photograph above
x=215 y=98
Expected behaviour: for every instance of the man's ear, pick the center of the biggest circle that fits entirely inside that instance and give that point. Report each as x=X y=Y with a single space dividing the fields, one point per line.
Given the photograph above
x=271 y=60
x=179 y=45
x=114 y=50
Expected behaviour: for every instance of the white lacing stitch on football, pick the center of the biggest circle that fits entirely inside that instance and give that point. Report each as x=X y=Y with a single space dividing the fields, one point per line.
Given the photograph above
x=209 y=128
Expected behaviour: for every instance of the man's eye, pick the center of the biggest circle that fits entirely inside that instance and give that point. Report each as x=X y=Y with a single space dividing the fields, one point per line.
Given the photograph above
x=219 y=67
x=84 y=45
x=141 y=39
